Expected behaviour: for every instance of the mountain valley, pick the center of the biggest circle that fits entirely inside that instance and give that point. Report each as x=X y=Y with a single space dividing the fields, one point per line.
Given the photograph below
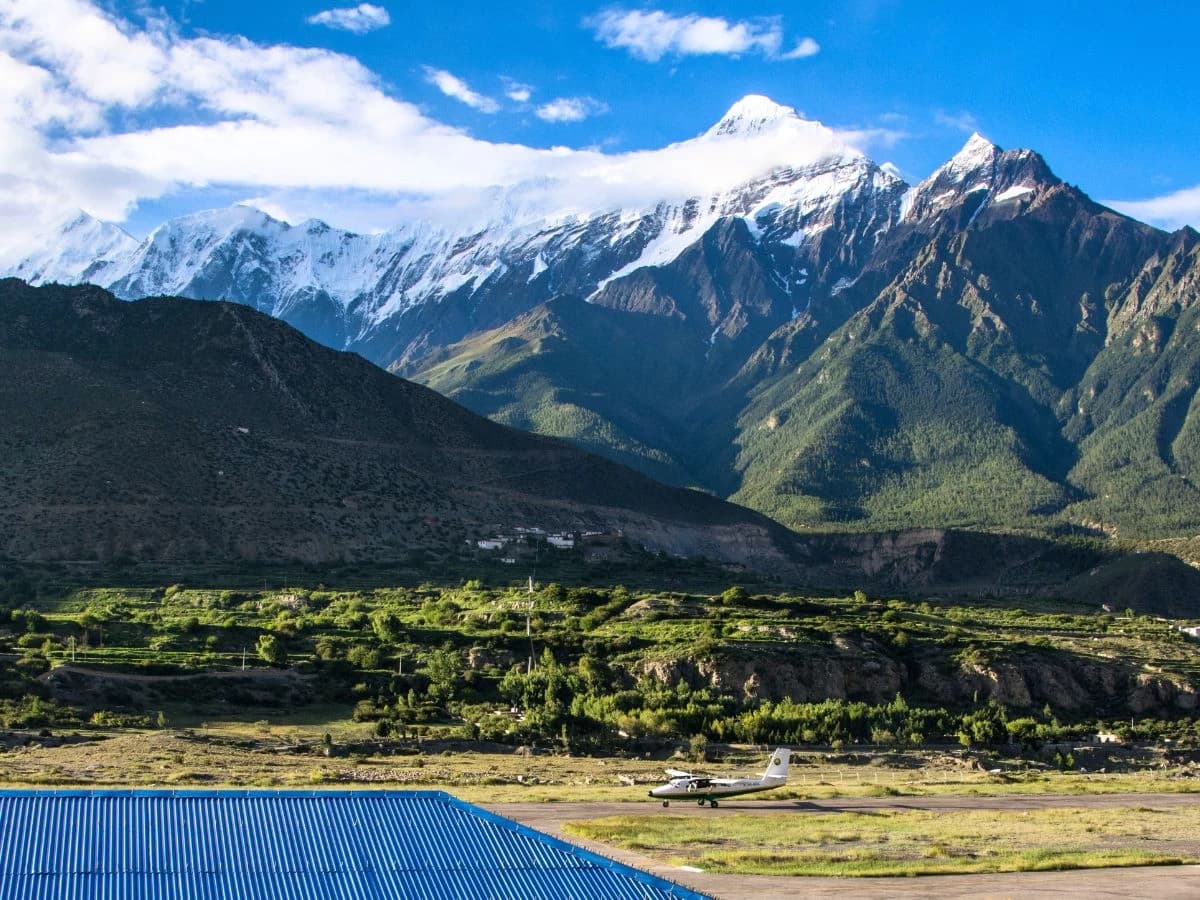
x=823 y=343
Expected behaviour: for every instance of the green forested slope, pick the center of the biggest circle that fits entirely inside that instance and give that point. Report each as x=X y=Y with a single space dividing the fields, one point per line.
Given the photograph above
x=1033 y=369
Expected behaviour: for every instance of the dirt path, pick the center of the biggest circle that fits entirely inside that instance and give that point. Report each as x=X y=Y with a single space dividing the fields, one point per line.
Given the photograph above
x=254 y=674
x=1161 y=882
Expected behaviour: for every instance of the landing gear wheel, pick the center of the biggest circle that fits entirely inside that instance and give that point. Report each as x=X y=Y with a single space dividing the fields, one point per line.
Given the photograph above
x=666 y=803
x=700 y=802
x=712 y=803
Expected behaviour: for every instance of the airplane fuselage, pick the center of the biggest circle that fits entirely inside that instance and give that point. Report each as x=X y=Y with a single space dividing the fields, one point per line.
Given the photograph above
x=705 y=790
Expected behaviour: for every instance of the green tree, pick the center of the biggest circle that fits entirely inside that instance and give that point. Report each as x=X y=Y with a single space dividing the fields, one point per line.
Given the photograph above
x=272 y=650
x=445 y=668
x=734 y=595
x=363 y=656
x=1024 y=731
x=594 y=672
x=388 y=626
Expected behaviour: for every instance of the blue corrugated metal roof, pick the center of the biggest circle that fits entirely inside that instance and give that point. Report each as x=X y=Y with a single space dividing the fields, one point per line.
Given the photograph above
x=291 y=845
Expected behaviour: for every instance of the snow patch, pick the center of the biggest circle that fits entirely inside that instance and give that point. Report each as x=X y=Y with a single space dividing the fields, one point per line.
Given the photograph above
x=842 y=284
x=1017 y=190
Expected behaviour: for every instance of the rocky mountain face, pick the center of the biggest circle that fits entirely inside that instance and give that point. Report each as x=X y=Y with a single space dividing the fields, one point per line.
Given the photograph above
x=822 y=342
x=940 y=397
x=866 y=670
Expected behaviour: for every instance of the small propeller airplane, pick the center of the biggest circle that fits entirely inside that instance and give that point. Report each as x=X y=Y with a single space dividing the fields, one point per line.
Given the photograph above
x=703 y=789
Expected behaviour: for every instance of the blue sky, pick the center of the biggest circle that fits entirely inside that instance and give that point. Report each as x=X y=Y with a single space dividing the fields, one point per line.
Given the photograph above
x=1107 y=95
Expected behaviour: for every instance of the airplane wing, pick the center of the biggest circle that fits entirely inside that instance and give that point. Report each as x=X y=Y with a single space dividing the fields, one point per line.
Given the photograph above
x=676 y=773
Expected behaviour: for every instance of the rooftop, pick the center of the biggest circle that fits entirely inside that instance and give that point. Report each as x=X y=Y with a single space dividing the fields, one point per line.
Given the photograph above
x=291 y=844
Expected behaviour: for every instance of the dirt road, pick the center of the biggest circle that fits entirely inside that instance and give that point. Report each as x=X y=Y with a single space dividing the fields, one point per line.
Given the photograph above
x=1160 y=883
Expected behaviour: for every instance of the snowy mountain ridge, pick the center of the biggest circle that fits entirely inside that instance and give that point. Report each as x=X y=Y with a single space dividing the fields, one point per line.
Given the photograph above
x=816 y=206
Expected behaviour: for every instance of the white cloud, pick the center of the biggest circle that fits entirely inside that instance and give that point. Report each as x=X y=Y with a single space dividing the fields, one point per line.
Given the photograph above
x=1169 y=211
x=959 y=121
x=875 y=138
x=453 y=86
x=804 y=48
x=570 y=109
x=517 y=91
x=99 y=113
x=653 y=34
x=357 y=19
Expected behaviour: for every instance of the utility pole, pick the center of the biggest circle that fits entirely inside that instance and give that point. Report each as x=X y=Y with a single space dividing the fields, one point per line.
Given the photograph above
x=529 y=610
x=529 y=626
x=72 y=641
x=243 y=659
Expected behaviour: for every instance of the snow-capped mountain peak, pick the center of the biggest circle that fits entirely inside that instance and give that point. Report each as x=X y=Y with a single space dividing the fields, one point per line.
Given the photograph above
x=753 y=114
x=75 y=251
x=976 y=154
x=976 y=177
x=223 y=221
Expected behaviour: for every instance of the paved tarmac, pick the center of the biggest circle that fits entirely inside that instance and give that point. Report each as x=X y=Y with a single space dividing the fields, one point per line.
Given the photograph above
x=1157 y=882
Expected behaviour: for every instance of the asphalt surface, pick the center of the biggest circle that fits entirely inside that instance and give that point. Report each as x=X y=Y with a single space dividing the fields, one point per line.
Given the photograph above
x=1158 y=882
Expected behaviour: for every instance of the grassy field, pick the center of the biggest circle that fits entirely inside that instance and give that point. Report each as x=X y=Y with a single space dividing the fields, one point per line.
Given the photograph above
x=908 y=842
x=393 y=687
x=245 y=752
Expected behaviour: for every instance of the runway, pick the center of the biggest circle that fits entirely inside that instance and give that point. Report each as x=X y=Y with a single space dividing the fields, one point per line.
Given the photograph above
x=1159 y=882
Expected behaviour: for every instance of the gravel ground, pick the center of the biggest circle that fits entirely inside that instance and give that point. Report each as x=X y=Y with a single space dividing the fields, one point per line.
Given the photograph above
x=1159 y=882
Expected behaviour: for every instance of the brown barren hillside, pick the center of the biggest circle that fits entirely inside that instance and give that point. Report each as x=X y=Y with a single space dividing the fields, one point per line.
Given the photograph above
x=182 y=430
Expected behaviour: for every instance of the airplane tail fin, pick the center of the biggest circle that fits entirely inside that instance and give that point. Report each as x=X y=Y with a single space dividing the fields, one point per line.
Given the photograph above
x=778 y=767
